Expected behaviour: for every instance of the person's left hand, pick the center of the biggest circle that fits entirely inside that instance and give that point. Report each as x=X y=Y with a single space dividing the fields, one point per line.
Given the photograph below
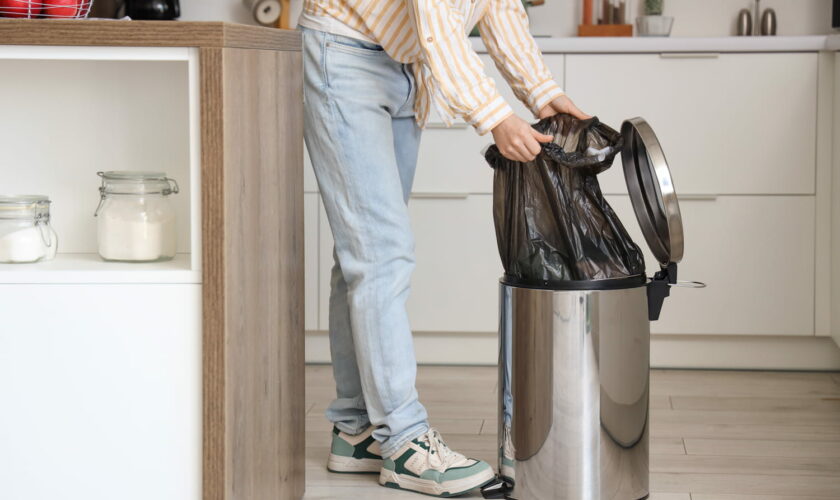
x=562 y=105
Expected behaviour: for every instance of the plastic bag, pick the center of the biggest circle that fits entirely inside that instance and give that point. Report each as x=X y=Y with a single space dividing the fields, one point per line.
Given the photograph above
x=553 y=224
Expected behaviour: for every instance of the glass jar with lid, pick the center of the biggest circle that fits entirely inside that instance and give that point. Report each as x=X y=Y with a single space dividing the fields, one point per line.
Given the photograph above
x=136 y=218
x=25 y=231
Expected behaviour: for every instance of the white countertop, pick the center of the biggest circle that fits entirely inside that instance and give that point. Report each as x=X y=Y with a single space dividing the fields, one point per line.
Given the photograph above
x=571 y=45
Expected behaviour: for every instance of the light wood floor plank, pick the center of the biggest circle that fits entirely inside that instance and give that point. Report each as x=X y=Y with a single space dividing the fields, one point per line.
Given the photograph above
x=762 y=448
x=742 y=384
x=700 y=496
x=738 y=465
x=831 y=404
x=745 y=430
x=828 y=419
x=825 y=486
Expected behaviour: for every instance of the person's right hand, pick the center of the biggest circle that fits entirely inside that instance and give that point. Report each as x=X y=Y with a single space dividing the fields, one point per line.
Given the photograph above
x=516 y=139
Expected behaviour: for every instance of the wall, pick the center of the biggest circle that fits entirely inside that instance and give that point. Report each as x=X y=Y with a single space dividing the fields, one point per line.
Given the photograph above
x=560 y=17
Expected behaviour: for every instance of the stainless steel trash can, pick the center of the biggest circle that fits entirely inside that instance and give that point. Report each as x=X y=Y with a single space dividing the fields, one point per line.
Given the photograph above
x=575 y=360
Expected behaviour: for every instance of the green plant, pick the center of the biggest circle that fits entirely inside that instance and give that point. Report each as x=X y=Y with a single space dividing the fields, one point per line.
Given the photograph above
x=653 y=7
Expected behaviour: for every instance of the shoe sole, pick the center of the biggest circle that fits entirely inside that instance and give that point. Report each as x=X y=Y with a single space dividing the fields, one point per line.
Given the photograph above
x=350 y=465
x=454 y=488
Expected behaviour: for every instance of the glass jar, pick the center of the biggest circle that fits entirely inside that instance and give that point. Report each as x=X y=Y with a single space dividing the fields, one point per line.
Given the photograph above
x=25 y=231
x=136 y=219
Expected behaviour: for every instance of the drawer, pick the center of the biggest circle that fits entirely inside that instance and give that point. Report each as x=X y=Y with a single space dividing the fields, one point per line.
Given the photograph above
x=311 y=220
x=450 y=159
x=455 y=284
x=756 y=253
x=729 y=124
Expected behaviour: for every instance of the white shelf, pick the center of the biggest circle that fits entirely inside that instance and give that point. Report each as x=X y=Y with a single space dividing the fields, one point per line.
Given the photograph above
x=87 y=268
x=62 y=53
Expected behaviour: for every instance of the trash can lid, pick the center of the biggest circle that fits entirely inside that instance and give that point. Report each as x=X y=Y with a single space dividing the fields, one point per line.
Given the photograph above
x=652 y=191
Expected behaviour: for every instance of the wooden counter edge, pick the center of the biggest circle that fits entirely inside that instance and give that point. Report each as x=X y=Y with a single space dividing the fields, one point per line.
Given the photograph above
x=85 y=32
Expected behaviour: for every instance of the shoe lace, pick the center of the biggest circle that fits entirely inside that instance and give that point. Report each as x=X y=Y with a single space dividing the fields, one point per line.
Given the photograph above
x=439 y=453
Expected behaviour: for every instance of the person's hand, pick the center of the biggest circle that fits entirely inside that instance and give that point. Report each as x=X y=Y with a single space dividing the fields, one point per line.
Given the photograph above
x=562 y=105
x=516 y=139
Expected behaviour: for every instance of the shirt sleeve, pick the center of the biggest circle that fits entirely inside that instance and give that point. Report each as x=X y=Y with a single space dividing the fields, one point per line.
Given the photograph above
x=456 y=69
x=504 y=29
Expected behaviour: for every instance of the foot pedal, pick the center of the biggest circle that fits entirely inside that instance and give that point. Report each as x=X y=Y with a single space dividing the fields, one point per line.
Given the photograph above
x=498 y=488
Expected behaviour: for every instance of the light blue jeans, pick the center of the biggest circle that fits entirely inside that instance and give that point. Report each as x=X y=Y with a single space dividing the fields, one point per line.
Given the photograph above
x=363 y=141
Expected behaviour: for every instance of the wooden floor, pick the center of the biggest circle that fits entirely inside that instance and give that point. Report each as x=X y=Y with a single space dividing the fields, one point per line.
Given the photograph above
x=714 y=435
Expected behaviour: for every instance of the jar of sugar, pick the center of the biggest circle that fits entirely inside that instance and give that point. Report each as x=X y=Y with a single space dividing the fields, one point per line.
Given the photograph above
x=25 y=231
x=135 y=217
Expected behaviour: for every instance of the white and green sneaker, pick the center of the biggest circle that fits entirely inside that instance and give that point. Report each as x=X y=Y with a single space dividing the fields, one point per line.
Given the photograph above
x=426 y=465
x=354 y=454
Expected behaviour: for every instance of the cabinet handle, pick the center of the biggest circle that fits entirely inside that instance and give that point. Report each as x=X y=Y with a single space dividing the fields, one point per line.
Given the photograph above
x=440 y=196
x=689 y=55
x=697 y=197
x=443 y=125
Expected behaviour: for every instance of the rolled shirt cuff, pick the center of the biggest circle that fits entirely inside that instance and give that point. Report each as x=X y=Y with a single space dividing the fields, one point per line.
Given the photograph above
x=489 y=114
x=543 y=94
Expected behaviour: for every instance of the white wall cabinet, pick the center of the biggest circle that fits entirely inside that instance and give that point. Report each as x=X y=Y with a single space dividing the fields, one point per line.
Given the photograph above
x=747 y=186
x=729 y=123
x=454 y=287
x=120 y=389
x=755 y=253
x=451 y=160
x=311 y=204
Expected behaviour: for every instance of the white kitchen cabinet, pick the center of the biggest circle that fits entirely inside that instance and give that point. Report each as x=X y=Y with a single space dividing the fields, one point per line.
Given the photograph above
x=119 y=388
x=755 y=253
x=835 y=209
x=451 y=159
x=455 y=283
x=311 y=216
x=143 y=380
x=455 y=286
x=729 y=123
x=310 y=183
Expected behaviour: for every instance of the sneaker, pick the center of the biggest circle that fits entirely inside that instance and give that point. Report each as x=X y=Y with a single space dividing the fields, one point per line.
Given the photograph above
x=426 y=465
x=354 y=454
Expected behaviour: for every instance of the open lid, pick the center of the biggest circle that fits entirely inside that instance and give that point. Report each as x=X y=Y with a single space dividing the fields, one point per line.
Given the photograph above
x=652 y=191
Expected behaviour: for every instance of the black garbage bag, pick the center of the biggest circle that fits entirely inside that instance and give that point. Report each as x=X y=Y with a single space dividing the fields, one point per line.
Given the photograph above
x=553 y=224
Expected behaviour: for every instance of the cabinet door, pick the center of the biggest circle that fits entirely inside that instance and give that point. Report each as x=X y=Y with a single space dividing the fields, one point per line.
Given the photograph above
x=451 y=159
x=310 y=243
x=729 y=124
x=455 y=284
x=102 y=394
x=755 y=253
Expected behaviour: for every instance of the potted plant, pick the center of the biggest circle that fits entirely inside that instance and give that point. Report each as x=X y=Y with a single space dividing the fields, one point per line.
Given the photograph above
x=653 y=23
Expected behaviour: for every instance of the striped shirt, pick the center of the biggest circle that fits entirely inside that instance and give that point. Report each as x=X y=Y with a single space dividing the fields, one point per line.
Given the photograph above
x=432 y=36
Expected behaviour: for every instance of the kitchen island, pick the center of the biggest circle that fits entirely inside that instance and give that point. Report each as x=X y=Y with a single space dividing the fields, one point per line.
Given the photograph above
x=180 y=380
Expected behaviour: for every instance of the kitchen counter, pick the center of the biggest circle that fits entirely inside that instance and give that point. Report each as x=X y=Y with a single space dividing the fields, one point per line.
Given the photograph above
x=572 y=45
x=106 y=32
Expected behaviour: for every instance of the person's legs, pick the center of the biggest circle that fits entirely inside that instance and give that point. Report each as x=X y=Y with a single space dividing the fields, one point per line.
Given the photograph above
x=348 y=410
x=354 y=96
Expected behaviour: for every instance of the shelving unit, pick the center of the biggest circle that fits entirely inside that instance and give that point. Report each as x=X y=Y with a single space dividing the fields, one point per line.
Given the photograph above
x=89 y=268
x=174 y=380
x=73 y=111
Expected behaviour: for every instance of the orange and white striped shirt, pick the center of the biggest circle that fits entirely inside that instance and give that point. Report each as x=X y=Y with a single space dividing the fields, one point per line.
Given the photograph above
x=432 y=35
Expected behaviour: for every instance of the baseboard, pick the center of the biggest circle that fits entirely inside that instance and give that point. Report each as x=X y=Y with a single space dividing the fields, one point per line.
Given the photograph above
x=667 y=351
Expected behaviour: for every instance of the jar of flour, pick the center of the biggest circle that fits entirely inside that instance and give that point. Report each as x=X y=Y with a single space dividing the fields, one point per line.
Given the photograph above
x=136 y=219
x=25 y=231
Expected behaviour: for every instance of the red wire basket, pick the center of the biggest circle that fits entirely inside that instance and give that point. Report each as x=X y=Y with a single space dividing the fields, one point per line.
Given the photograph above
x=45 y=9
